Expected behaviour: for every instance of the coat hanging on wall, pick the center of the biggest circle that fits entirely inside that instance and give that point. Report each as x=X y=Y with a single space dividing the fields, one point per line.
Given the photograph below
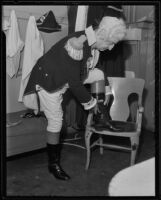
x=95 y=13
x=72 y=13
x=47 y=23
x=14 y=45
x=34 y=49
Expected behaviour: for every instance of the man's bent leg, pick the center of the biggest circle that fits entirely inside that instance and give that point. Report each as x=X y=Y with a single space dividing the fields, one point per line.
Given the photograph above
x=94 y=75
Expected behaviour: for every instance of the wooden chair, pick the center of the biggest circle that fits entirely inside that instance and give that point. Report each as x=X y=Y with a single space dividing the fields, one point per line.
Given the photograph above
x=119 y=112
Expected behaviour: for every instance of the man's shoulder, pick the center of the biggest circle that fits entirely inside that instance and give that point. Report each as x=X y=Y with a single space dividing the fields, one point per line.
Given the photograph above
x=77 y=42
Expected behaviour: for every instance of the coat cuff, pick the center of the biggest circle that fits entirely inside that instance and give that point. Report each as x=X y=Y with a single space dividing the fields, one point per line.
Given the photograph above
x=90 y=104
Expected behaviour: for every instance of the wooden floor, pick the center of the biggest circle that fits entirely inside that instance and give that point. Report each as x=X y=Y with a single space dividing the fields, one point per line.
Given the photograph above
x=27 y=175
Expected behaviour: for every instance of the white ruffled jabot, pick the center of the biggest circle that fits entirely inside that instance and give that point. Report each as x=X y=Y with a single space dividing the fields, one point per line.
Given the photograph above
x=76 y=54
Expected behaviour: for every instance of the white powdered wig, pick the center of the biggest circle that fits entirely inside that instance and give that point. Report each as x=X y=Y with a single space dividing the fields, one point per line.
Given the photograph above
x=115 y=28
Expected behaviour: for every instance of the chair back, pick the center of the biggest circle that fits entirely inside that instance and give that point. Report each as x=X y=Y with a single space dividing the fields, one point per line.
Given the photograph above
x=121 y=89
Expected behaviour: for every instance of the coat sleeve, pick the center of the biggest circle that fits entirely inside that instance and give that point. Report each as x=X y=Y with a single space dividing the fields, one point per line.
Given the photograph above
x=102 y=68
x=73 y=59
x=75 y=84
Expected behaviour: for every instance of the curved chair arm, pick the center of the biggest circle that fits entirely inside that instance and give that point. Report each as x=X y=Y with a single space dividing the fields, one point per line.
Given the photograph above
x=140 y=111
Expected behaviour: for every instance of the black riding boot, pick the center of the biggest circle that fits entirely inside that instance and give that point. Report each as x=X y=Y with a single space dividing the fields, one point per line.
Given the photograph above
x=54 y=167
x=102 y=119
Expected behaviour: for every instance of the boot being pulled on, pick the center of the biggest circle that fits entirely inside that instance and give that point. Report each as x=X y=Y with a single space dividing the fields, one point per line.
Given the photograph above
x=54 y=162
x=102 y=119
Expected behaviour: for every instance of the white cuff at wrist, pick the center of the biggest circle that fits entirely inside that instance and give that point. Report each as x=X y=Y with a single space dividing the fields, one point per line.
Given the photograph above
x=108 y=93
x=90 y=104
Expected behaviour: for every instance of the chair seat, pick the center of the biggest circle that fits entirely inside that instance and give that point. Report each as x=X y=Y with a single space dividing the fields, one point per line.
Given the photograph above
x=122 y=126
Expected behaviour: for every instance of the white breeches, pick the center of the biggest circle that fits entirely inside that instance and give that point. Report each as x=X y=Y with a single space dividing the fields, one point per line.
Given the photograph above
x=94 y=75
x=50 y=103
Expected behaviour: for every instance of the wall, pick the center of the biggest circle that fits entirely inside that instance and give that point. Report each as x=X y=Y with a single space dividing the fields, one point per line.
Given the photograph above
x=22 y=14
x=143 y=10
x=136 y=12
x=141 y=60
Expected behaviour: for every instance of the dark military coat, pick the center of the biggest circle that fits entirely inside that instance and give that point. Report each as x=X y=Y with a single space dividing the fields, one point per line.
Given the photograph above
x=56 y=68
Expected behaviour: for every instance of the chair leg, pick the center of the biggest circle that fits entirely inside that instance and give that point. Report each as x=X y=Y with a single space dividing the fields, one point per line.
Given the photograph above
x=134 y=148
x=101 y=142
x=88 y=134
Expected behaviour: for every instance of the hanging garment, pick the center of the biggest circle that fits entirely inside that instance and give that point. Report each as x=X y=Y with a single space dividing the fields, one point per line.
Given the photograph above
x=14 y=46
x=72 y=13
x=5 y=25
x=81 y=18
x=34 y=49
x=95 y=14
